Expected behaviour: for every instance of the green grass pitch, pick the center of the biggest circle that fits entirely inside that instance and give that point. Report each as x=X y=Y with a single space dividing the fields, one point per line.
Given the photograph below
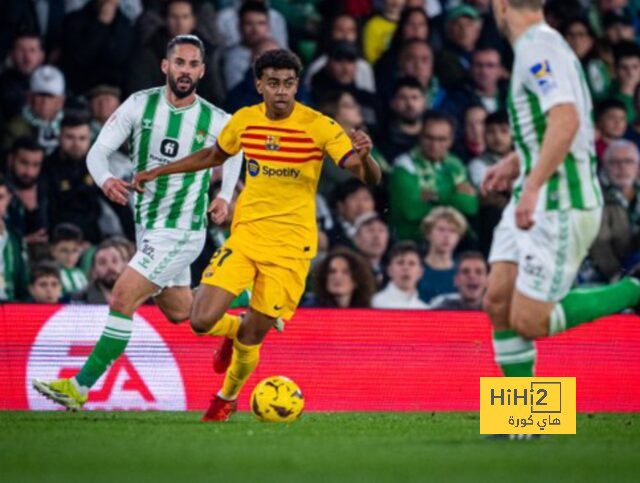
x=321 y=447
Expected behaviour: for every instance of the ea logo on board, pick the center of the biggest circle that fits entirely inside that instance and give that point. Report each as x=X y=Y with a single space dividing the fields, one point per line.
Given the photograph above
x=253 y=167
x=145 y=377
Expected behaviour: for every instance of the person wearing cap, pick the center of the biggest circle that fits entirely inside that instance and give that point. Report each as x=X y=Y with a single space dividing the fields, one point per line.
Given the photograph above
x=404 y=271
x=462 y=31
x=41 y=116
x=378 y=31
x=103 y=101
x=371 y=240
x=26 y=56
x=340 y=75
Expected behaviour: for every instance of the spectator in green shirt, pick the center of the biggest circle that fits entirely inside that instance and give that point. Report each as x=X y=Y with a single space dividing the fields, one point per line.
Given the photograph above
x=627 y=70
x=13 y=268
x=66 y=248
x=428 y=176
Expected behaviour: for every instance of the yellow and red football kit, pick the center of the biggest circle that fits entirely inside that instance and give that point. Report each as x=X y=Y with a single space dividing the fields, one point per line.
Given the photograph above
x=273 y=233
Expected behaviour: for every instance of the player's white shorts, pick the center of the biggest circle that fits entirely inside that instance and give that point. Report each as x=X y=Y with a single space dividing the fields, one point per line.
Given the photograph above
x=550 y=253
x=164 y=255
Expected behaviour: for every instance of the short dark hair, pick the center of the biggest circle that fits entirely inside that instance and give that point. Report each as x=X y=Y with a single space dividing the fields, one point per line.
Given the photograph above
x=439 y=116
x=402 y=248
x=406 y=81
x=626 y=48
x=27 y=143
x=185 y=39
x=277 y=59
x=74 y=120
x=27 y=34
x=252 y=6
x=472 y=255
x=66 y=232
x=45 y=268
x=606 y=105
x=498 y=117
x=171 y=2
x=345 y=189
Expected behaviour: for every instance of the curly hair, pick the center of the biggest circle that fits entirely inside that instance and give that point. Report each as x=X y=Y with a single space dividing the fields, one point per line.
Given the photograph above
x=361 y=275
x=277 y=59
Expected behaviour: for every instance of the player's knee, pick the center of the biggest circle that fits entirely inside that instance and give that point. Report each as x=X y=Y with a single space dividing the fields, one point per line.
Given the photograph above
x=121 y=301
x=203 y=321
x=526 y=326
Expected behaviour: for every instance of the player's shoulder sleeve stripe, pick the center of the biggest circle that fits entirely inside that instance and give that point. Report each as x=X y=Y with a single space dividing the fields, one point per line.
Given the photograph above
x=346 y=156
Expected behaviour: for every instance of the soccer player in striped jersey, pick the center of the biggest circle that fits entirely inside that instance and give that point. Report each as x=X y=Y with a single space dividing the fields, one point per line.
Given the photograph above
x=554 y=214
x=161 y=124
x=274 y=234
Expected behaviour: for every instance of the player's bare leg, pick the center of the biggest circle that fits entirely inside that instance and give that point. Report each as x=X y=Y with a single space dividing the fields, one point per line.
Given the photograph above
x=246 y=354
x=130 y=291
x=175 y=303
x=210 y=305
x=497 y=300
x=529 y=317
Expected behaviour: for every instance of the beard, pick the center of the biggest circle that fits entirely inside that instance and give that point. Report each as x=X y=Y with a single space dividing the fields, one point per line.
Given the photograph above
x=23 y=183
x=408 y=118
x=108 y=280
x=179 y=93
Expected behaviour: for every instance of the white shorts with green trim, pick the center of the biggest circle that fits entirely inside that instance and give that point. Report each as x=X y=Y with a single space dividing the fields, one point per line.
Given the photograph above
x=164 y=255
x=550 y=253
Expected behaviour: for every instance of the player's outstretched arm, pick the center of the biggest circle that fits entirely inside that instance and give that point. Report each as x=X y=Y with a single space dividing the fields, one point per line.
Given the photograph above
x=361 y=163
x=203 y=159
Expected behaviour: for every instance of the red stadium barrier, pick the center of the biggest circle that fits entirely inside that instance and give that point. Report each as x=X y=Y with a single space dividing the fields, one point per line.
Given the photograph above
x=344 y=360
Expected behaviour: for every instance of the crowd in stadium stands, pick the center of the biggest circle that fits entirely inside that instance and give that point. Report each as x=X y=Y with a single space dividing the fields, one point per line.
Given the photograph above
x=428 y=79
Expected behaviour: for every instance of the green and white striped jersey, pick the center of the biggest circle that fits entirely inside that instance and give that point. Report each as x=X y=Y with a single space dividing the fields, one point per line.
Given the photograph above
x=546 y=73
x=158 y=134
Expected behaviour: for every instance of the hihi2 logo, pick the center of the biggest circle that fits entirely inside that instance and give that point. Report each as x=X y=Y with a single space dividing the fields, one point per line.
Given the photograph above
x=526 y=405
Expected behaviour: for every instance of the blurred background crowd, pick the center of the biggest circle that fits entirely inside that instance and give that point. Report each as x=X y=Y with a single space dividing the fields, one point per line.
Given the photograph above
x=426 y=78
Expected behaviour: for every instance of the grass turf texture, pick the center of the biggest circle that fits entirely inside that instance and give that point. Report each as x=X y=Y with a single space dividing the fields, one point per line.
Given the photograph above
x=322 y=447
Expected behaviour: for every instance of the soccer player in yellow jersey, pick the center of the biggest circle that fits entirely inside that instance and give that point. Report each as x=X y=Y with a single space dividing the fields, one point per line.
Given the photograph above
x=274 y=233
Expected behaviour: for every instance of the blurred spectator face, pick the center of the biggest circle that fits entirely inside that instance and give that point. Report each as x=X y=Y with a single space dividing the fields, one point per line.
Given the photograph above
x=416 y=60
x=75 y=141
x=27 y=54
x=608 y=5
x=416 y=27
x=405 y=270
x=474 y=125
x=46 y=290
x=356 y=204
x=108 y=264
x=436 y=140
x=628 y=71
x=485 y=69
x=613 y=123
x=343 y=70
x=372 y=239
x=408 y=104
x=393 y=8
x=5 y=199
x=623 y=166
x=184 y=68
x=254 y=27
x=471 y=279
x=264 y=46
x=349 y=114
x=25 y=167
x=498 y=138
x=579 y=39
x=444 y=237
x=66 y=253
x=339 y=279
x=344 y=28
x=45 y=106
x=617 y=32
x=180 y=19
x=102 y=106
x=464 y=32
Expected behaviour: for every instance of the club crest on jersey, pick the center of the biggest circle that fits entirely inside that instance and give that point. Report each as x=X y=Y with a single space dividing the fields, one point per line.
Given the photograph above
x=169 y=148
x=200 y=137
x=272 y=143
x=544 y=75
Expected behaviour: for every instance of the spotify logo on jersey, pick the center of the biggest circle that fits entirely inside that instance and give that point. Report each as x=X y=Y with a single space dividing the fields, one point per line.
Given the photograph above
x=169 y=147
